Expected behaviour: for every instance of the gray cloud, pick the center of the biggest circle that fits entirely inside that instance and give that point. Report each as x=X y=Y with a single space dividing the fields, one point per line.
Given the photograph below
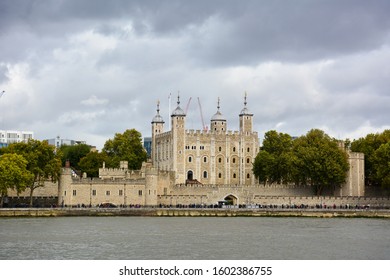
x=88 y=69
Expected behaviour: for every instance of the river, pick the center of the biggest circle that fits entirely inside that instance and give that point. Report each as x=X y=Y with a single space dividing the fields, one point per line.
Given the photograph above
x=193 y=238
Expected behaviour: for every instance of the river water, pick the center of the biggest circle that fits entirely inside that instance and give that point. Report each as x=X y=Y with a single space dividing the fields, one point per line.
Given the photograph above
x=186 y=238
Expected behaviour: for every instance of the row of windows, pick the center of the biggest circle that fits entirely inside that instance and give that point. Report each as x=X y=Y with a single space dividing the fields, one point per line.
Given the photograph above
x=194 y=147
x=220 y=175
x=108 y=193
x=219 y=148
x=219 y=160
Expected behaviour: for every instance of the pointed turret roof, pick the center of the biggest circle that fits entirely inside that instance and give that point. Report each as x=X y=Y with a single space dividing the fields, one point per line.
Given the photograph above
x=245 y=110
x=178 y=111
x=218 y=115
x=157 y=118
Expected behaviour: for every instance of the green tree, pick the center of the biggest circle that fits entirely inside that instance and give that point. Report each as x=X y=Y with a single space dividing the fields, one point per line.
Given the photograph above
x=74 y=154
x=91 y=163
x=126 y=146
x=318 y=161
x=381 y=162
x=42 y=162
x=369 y=145
x=13 y=174
x=273 y=163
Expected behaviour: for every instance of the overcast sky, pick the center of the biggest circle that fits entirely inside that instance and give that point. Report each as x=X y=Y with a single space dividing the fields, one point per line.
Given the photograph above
x=85 y=70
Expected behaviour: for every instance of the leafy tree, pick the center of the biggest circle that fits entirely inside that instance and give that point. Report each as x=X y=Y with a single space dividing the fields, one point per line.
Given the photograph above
x=369 y=145
x=318 y=161
x=262 y=165
x=13 y=174
x=91 y=163
x=126 y=146
x=272 y=163
x=74 y=154
x=42 y=162
x=381 y=162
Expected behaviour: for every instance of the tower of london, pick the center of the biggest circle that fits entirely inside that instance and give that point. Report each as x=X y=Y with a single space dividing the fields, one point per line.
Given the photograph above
x=216 y=156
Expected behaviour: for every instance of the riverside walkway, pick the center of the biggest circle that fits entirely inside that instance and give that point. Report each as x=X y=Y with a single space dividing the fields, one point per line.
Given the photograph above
x=195 y=212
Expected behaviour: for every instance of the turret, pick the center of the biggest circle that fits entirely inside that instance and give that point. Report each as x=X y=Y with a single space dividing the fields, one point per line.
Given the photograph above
x=157 y=128
x=178 y=120
x=246 y=119
x=218 y=121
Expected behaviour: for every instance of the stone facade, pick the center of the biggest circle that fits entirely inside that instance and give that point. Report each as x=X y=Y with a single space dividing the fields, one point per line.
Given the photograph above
x=216 y=156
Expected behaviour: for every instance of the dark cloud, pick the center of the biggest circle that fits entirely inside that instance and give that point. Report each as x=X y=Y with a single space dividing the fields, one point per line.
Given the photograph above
x=88 y=69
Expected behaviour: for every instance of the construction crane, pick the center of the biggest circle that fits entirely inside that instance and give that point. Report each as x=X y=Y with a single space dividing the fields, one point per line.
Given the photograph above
x=188 y=105
x=205 y=128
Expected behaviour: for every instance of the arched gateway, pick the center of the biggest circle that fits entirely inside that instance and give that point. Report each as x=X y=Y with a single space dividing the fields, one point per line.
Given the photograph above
x=231 y=200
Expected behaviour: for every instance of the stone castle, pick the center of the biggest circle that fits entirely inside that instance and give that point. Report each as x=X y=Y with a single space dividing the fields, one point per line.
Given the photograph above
x=202 y=167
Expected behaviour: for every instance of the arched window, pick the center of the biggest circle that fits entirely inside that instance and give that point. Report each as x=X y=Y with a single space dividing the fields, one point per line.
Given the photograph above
x=234 y=160
x=234 y=175
x=219 y=175
x=220 y=149
x=234 y=149
x=248 y=149
x=189 y=159
x=204 y=159
x=247 y=160
x=248 y=175
x=190 y=175
x=204 y=174
x=219 y=160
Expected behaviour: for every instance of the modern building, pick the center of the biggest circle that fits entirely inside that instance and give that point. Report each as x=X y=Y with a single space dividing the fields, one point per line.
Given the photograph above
x=148 y=145
x=58 y=142
x=14 y=136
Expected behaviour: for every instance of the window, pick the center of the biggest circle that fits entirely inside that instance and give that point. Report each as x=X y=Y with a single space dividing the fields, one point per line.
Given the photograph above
x=220 y=149
x=74 y=192
x=189 y=159
x=120 y=192
x=248 y=150
x=219 y=160
x=219 y=175
x=248 y=175
x=234 y=175
x=234 y=160
x=93 y=192
x=247 y=160
x=204 y=159
x=108 y=193
x=140 y=192
x=234 y=149
x=204 y=174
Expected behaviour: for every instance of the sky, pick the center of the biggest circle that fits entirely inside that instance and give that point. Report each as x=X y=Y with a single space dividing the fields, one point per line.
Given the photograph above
x=87 y=69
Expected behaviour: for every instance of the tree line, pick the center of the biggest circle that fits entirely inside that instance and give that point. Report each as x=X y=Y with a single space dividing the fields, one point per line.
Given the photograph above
x=319 y=161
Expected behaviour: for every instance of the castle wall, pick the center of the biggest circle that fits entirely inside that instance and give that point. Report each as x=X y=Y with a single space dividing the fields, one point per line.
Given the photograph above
x=95 y=192
x=354 y=185
x=49 y=189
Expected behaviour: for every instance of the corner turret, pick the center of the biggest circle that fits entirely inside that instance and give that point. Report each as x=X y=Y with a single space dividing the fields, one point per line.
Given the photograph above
x=246 y=119
x=218 y=121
